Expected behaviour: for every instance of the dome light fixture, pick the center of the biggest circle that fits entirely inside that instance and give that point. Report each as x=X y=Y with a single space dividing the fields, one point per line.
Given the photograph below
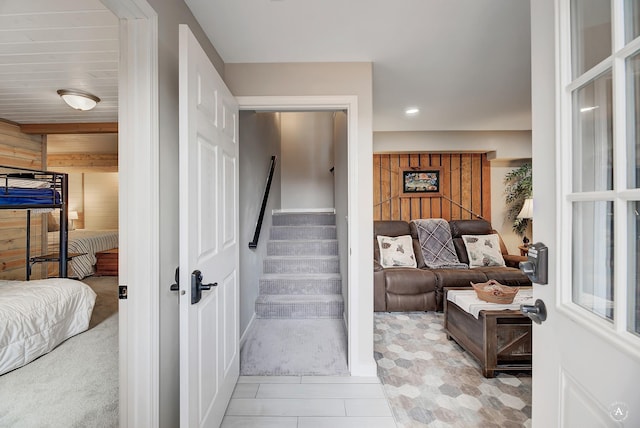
x=78 y=100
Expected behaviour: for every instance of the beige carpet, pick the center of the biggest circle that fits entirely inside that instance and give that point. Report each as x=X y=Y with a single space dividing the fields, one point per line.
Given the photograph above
x=76 y=384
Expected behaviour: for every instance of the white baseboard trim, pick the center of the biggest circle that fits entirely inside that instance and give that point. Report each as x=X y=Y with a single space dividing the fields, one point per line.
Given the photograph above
x=243 y=337
x=304 y=210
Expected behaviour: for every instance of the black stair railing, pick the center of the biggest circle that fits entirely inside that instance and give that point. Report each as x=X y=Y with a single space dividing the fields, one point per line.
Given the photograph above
x=267 y=188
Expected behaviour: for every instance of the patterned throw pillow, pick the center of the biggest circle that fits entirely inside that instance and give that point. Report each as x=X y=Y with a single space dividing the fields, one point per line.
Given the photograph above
x=396 y=251
x=483 y=250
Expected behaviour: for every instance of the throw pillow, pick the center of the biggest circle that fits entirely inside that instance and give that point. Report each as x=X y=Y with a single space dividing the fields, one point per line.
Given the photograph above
x=52 y=223
x=483 y=250
x=396 y=251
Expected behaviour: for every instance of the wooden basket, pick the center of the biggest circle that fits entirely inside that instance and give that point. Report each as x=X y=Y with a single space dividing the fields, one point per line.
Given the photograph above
x=494 y=292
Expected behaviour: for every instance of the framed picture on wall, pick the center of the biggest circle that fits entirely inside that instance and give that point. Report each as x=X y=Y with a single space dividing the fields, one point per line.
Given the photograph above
x=421 y=182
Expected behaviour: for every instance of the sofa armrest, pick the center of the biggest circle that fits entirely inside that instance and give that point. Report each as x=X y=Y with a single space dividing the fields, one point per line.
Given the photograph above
x=377 y=267
x=513 y=260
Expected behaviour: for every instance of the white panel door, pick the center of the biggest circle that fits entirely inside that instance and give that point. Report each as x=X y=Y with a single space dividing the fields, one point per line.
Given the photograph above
x=209 y=355
x=586 y=362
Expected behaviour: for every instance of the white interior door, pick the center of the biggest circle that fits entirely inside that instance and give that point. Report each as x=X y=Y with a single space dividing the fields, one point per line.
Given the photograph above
x=586 y=99
x=209 y=355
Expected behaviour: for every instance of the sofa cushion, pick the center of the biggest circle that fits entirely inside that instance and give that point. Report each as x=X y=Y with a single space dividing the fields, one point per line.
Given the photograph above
x=396 y=251
x=469 y=227
x=483 y=250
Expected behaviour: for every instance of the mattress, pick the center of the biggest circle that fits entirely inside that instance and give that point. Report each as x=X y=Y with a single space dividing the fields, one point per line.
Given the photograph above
x=88 y=243
x=36 y=316
x=18 y=196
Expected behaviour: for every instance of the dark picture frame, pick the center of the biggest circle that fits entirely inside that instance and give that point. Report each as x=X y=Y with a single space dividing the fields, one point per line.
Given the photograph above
x=421 y=182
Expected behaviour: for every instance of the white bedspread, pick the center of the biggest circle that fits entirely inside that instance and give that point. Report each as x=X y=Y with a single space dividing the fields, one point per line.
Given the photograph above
x=85 y=241
x=36 y=316
x=468 y=301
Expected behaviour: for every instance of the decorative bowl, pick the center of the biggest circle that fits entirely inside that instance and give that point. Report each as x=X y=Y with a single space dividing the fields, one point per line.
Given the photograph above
x=494 y=292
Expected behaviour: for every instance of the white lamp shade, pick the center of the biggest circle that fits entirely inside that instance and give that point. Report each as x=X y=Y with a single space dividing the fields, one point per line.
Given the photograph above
x=79 y=100
x=527 y=209
x=73 y=215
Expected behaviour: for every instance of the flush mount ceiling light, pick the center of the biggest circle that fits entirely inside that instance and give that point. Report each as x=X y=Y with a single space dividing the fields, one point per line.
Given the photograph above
x=78 y=100
x=411 y=111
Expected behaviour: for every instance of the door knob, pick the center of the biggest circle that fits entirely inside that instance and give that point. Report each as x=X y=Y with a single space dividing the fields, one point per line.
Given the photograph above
x=537 y=312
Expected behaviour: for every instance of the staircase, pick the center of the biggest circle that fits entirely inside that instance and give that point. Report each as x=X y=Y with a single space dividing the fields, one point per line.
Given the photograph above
x=301 y=272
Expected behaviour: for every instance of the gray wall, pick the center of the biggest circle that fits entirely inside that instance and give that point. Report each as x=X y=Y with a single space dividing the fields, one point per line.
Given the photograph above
x=259 y=140
x=171 y=13
x=307 y=157
x=341 y=190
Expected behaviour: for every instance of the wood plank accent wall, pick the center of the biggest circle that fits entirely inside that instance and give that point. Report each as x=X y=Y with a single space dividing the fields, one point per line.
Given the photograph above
x=466 y=179
x=21 y=150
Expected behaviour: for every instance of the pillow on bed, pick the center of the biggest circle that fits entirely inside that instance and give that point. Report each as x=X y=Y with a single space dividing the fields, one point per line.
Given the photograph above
x=483 y=250
x=52 y=223
x=396 y=251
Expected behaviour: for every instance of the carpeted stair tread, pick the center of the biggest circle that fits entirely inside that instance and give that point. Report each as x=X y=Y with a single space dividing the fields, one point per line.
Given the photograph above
x=303 y=247
x=301 y=264
x=302 y=232
x=299 y=306
x=300 y=219
x=300 y=298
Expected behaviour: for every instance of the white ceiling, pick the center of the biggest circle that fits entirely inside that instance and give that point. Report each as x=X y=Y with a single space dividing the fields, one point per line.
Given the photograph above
x=464 y=63
x=48 y=45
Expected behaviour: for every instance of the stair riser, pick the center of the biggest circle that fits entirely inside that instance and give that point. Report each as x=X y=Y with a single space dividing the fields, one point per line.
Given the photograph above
x=297 y=286
x=301 y=266
x=306 y=219
x=302 y=248
x=300 y=311
x=303 y=232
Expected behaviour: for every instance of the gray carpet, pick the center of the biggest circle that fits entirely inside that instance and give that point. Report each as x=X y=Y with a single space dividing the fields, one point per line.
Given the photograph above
x=76 y=384
x=282 y=347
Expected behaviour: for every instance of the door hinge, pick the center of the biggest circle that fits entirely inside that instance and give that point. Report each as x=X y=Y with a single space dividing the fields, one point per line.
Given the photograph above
x=122 y=292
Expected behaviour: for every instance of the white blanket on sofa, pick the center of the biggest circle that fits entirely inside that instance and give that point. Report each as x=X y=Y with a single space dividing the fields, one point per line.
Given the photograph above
x=436 y=244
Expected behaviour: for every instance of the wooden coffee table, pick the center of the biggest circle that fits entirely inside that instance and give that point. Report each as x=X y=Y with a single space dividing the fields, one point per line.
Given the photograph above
x=500 y=340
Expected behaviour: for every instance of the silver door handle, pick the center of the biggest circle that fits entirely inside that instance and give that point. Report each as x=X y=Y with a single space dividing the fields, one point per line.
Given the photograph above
x=536 y=312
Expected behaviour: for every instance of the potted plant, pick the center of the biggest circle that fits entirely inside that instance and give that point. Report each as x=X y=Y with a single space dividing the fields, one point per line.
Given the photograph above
x=518 y=187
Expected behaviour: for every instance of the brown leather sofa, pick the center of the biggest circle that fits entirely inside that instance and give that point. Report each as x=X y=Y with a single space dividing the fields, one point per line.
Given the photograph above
x=405 y=289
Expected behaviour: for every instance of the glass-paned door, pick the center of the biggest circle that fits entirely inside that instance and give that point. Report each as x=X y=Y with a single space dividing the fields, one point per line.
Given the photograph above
x=604 y=190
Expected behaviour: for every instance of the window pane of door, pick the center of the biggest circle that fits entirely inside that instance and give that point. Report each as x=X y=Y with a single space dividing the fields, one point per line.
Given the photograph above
x=633 y=121
x=592 y=286
x=590 y=33
x=593 y=136
x=632 y=20
x=634 y=267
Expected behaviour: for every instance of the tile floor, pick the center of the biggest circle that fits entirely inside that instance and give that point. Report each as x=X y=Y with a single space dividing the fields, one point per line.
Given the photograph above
x=308 y=402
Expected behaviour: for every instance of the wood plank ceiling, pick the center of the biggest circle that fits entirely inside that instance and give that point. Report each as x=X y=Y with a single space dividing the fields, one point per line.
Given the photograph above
x=49 y=45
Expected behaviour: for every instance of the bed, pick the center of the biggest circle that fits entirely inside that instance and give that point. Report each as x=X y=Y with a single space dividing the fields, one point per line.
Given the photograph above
x=38 y=315
x=87 y=243
x=37 y=191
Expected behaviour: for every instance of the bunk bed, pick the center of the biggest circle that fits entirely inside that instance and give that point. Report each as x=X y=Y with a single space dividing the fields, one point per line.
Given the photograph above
x=37 y=192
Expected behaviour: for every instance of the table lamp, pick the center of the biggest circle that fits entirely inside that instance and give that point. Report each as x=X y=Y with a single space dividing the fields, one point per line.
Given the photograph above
x=526 y=212
x=73 y=216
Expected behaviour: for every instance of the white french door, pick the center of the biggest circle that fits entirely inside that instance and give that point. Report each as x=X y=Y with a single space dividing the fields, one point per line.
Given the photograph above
x=586 y=117
x=209 y=318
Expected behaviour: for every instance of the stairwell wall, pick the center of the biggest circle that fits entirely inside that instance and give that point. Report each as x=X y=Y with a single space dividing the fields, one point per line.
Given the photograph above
x=260 y=134
x=341 y=200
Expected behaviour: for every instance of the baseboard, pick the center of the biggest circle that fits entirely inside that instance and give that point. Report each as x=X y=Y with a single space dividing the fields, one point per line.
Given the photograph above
x=304 y=210
x=243 y=337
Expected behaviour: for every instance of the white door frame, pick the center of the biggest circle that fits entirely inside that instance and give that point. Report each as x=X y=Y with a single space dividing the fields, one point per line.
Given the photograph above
x=358 y=317
x=138 y=169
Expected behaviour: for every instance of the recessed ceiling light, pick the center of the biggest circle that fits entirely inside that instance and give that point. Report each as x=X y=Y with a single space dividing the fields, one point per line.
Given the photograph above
x=78 y=100
x=412 y=111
